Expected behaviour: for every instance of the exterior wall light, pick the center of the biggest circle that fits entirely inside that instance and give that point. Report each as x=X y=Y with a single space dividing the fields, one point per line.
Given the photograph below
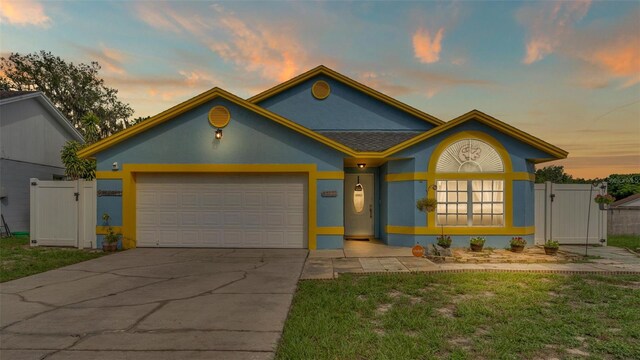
x=218 y=134
x=361 y=165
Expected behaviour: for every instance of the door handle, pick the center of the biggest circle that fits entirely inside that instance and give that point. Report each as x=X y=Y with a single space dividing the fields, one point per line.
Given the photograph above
x=370 y=211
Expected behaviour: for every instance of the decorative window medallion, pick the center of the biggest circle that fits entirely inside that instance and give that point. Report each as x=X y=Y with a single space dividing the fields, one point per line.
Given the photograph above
x=320 y=90
x=219 y=116
x=469 y=156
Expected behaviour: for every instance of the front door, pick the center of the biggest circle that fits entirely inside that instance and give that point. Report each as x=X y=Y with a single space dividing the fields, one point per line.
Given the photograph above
x=358 y=206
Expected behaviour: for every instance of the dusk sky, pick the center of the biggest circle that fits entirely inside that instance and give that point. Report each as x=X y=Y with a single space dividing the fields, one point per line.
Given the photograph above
x=567 y=72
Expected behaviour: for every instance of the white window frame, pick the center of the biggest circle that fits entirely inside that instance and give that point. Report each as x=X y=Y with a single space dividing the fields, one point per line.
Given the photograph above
x=458 y=199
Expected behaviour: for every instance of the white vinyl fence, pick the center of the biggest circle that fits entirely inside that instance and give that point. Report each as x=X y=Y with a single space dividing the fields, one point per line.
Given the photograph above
x=63 y=213
x=567 y=212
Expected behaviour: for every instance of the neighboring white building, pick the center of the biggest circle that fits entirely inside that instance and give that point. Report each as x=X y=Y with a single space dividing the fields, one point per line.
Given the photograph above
x=32 y=134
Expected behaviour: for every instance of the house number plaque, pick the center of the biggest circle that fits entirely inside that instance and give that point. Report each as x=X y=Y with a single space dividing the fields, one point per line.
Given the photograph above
x=332 y=193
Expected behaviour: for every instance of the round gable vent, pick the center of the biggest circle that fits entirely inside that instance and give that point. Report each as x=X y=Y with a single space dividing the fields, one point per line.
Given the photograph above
x=219 y=116
x=320 y=90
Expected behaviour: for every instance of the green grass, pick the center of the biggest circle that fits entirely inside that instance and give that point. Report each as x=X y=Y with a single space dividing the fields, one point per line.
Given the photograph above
x=627 y=241
x=18 y=260
x=464 y=316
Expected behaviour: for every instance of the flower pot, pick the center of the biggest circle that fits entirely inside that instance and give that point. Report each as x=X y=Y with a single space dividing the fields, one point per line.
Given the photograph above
x=109 y=247
x=550 y=250
x=603 y=206
x=517 y=248
x=476 y=247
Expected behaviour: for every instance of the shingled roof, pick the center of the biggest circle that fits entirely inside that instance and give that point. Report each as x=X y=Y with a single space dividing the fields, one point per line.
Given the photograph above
x=370 y=140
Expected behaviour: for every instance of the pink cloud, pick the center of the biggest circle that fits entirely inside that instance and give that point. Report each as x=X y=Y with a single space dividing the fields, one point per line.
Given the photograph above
x=111 y=60
x=23 y=13
x=427 y=47
x=548 y=23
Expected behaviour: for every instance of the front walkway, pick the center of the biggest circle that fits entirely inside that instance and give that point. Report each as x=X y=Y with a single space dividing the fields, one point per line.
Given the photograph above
x=372 y=257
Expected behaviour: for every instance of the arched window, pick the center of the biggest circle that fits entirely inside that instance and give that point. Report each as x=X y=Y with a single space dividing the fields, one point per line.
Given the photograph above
x=469 y=200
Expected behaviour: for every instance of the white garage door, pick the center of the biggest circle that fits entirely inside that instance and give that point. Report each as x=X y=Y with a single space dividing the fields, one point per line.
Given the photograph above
x=205 y=210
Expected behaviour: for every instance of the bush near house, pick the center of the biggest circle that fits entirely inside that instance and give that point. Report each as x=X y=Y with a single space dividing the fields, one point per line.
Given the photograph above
x=18 y=259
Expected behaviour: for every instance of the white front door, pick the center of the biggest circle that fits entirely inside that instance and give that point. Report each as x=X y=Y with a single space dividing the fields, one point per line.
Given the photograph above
x=217 y=210
x=358 y=206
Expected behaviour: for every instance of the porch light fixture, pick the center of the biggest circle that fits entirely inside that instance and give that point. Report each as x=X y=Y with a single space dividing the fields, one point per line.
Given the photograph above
x=361 y=165
x=218 y=134
x=358 y=197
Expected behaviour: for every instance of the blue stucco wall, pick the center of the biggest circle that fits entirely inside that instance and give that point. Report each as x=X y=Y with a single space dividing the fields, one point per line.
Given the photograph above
x=517 y=150
x=330 y=209
x=248 y=139
x=330 y=242
x=523 y=203
x=111 y=205
x=345 y=109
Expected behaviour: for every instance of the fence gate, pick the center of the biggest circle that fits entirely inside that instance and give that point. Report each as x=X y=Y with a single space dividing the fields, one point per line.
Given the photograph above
x=63 y=213
x=564 y=211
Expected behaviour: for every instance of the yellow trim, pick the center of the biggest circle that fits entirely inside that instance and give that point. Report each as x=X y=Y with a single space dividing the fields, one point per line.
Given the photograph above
x=406 y=176
x=129 y=172
x=323 y=70
x=330 y=230
x=214 y=122
x=507 y=176
x=103 y=230
x=330 y=175
x=314 y=90
x=491 y=122
x=109 y=175
x=370 y=156
x=197 y=101
x=460 y=230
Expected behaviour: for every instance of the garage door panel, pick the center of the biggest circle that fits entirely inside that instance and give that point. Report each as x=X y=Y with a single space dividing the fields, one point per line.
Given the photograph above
x=207 y=210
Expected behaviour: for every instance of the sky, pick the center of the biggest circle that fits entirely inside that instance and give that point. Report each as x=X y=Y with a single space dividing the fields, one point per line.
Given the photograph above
x=567 y=72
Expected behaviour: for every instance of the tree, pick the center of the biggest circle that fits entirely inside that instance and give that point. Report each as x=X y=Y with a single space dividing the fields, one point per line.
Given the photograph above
x=623 y=185
x=75 y=167
x=75 y=89
x=553 y=173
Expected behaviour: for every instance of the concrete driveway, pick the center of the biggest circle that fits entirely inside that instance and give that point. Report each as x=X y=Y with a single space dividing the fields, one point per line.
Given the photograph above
x=153 y=304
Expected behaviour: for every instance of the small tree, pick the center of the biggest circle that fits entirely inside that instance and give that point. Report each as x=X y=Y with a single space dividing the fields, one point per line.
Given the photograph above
x=75 y=167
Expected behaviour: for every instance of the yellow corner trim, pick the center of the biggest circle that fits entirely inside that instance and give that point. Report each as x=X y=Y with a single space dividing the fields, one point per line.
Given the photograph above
x=103 y=230
x=330 y=175
x=330 y=230
x=451 y=230
x=108 y=175
x=129 y=189
x=419 y=176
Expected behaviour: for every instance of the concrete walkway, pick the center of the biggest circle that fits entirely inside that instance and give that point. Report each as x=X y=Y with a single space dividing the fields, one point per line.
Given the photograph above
x=153 y=304
x=329 y=264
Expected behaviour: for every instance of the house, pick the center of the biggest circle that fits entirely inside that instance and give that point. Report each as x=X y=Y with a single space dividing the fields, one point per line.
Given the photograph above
x=32 y=133
x=311 y=162
x=624 y=216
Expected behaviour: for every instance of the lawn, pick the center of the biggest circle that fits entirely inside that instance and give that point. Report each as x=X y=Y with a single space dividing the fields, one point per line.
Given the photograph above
x=18 y=260
x=627 y=241
x=464 y=316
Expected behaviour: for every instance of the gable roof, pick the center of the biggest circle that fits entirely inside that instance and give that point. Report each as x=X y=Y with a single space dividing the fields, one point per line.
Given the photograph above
x=195 y=102
x=370 y=141
x=323 y=70
x=492 y=122
x=8 y=97
x=623 y=201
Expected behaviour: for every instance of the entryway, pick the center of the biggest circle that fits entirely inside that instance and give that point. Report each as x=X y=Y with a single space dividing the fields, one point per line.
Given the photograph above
x=359 y=209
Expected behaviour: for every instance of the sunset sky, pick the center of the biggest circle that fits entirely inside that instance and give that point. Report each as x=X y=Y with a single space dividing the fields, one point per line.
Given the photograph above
x=567 y=72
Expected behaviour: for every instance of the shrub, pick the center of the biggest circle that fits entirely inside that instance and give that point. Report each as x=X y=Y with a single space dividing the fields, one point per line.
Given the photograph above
x=518 y=241
x=552 y=244
x=478 y=240
x=444 y=241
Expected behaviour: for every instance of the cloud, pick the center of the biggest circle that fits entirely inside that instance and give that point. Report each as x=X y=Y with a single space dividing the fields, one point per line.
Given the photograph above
x=110 y=59
x=425 y=47
x=407 y=81
x=249 y=43
x=24 y=13
x=548 y=23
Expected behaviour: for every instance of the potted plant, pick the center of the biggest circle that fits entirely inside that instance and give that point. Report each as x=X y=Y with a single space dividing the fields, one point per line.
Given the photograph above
x=426 y=204
x=551 y=247
x=110 y=239
x=517 y=244
x=477 y=243
x=604 y=201
x=444 y=241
